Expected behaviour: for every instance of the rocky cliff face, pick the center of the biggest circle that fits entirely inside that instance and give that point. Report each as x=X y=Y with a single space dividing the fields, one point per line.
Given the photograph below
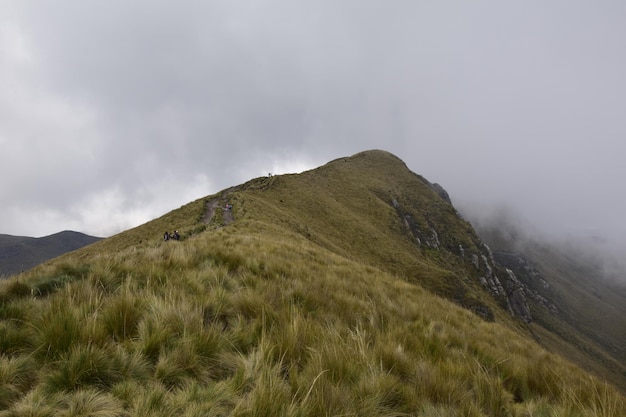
x=534 y=284
x=498 y=278
x=513 y=280
x=502 y=283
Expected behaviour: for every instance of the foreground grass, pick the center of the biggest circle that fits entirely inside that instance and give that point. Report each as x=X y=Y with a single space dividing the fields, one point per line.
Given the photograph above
x=240 y=323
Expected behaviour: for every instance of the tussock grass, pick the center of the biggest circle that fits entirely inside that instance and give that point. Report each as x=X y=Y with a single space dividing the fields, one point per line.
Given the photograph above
x=15 y=339
x=262 y=318
x=33 y=404
x=58 y=327
x=17 y=376
x=121 y=315
x=90 y=403
x=270 y=329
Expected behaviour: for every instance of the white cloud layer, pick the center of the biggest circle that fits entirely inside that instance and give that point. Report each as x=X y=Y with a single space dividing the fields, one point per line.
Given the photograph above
x=115 y=112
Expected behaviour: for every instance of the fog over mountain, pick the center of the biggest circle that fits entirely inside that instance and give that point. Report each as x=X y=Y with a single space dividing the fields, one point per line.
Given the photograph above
x=503 y=228
x=113 y=113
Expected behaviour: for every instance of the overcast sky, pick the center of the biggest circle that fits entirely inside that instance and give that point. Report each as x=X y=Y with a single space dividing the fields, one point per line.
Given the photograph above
x=114 y=112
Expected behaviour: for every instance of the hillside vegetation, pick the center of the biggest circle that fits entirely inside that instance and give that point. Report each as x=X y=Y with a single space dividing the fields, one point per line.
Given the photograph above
x=318 y=300
x=581 y=311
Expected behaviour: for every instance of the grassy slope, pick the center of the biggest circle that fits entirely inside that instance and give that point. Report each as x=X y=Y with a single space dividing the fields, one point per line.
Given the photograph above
x=276 y=314
x=331 y=202
x=591 y=316
x=588 y=326
x=347 y=206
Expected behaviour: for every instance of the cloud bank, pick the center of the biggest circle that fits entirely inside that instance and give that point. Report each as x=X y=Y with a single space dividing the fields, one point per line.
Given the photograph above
x=113 y=113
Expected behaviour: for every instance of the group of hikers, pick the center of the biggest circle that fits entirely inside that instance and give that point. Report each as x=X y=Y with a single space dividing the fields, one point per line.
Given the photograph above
x=168 y=235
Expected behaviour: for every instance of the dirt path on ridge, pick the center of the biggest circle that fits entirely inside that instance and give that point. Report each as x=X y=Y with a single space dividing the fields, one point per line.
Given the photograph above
x=213 y=204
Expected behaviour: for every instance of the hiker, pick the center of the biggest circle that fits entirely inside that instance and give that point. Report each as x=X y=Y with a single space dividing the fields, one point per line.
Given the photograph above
x=176 y=235
x=166 y=236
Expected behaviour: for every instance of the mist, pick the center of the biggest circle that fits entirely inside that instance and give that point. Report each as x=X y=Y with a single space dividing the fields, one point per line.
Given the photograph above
x=114 y=113
x=503 y=228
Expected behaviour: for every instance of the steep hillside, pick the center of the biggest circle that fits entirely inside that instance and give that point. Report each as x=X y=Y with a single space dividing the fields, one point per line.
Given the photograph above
x=373 y=209
x=571 y=297
x=19 y=253
x=351 y=289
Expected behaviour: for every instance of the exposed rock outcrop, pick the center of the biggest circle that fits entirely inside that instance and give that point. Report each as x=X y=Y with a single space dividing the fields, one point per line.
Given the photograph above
x=501 y=282
x=507 y=288
x=430 y=238
x=534 y=284
x=440 y=191
x=516 y=296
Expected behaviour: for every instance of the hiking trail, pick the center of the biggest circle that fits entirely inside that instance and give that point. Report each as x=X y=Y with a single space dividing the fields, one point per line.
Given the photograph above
x=211 y=206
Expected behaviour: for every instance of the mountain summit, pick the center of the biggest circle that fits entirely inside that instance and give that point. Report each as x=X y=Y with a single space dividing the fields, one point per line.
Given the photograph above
x=351 y=289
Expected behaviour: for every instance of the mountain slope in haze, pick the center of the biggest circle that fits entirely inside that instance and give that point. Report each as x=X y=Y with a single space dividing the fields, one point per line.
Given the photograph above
x=351 y=289
x=570 y=291
x=19 y=253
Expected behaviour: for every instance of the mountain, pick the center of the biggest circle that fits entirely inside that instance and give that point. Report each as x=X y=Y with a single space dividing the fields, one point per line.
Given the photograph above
x=572 y=294
x=351 y=289
x=19 y=253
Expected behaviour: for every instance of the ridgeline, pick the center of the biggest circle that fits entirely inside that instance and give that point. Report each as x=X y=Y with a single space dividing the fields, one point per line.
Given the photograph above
x=353 y=289
x=20 y=253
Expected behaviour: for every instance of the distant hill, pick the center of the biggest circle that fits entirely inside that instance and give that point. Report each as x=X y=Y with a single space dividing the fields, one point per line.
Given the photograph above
x=19 y=253
x=351 y=289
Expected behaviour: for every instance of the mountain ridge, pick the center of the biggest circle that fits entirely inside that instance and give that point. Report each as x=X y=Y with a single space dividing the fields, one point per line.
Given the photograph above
x=457 y=247
x=451 y=261
x=354 y=288
x=19 y=253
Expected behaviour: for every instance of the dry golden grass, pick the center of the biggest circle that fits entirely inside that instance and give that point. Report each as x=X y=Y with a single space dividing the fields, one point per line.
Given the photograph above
x=271 y=315
x=240 y=324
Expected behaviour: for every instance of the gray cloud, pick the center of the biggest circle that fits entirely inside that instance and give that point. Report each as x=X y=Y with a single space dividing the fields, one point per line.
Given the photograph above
x=113 y=112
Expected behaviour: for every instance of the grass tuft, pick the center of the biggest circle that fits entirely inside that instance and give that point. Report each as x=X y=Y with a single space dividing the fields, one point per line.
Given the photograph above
x=17 y=376
x=121 y=315
x=90 y=403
